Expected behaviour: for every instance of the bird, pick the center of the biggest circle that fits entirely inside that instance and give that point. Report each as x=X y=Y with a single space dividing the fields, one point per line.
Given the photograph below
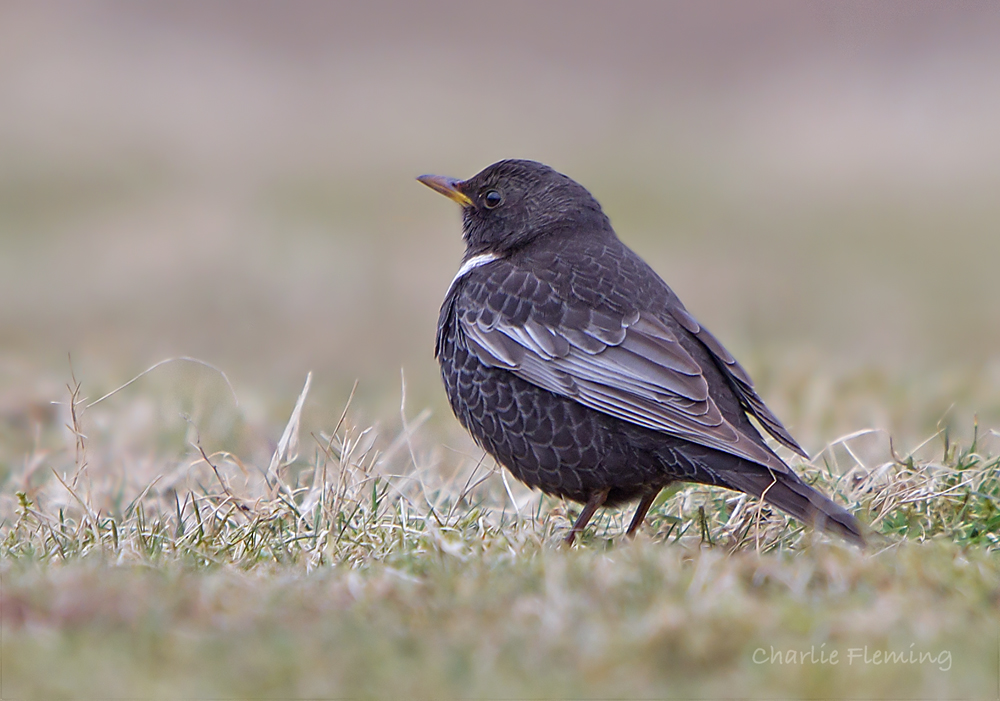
x=575 y=366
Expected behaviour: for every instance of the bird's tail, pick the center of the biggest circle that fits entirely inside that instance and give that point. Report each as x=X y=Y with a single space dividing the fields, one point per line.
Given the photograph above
x=797 y=499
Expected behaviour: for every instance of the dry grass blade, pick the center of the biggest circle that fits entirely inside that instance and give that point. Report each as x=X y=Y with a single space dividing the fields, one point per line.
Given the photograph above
x=288 y=446
x=167 y=361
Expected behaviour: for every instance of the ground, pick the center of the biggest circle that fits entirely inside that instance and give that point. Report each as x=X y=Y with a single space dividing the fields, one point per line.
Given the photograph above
x=360 y=572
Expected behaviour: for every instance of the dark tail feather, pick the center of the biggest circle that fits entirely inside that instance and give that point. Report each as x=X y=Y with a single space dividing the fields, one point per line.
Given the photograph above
x=797 y=499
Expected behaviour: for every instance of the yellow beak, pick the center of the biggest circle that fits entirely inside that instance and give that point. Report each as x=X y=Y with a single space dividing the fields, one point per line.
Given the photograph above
x=447 y=187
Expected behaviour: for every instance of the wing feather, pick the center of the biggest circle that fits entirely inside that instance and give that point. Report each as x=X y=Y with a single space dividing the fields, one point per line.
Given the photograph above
x=631 y=366
x=740 y=380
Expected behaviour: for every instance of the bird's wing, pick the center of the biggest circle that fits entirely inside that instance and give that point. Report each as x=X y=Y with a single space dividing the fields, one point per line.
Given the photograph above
x=630 y=366
x=738 y=377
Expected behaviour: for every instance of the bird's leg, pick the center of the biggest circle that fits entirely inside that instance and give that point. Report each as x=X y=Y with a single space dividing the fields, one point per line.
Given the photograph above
x=593 y=504
x=640 y=512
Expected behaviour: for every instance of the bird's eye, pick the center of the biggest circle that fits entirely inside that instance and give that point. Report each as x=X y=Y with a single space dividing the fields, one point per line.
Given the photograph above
x=492 y=199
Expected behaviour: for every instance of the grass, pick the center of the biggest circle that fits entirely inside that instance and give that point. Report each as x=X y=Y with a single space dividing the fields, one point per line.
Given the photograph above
x=371 y=566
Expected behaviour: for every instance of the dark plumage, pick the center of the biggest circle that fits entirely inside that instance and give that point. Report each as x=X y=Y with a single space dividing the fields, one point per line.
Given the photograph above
x=574 y=365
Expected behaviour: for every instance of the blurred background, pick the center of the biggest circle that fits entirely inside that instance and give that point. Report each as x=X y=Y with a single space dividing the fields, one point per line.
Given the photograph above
x=234 y=181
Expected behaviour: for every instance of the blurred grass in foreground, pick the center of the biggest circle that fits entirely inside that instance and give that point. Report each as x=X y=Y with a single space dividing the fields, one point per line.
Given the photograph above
x=341 y=563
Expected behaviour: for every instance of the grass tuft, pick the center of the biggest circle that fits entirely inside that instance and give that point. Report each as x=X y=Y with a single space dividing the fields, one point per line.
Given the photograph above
x=338 y=562
x=349 y=503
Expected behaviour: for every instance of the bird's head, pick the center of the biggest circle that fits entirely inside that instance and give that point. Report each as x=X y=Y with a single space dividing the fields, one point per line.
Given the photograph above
x=511 y=203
